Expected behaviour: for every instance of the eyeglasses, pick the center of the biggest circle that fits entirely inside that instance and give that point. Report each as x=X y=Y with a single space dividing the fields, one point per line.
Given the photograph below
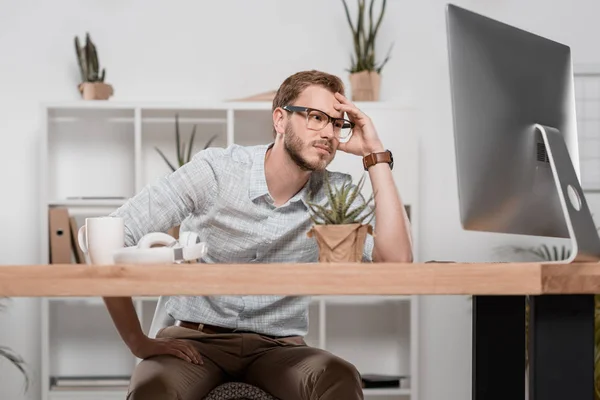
x=317 y=120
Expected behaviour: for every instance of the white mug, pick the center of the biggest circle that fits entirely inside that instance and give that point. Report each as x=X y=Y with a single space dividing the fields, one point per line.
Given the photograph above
x=100 y=237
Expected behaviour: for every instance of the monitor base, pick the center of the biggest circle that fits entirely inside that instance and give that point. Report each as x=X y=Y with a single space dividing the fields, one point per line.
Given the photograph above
x=583 y=233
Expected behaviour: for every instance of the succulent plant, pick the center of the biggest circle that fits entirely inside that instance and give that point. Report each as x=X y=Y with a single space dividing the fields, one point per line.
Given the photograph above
x=184 y=154
x=87 y=57
x=364 y=38
x=338 y=209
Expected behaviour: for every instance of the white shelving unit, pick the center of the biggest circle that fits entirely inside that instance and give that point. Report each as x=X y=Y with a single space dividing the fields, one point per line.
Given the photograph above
x=107 y=149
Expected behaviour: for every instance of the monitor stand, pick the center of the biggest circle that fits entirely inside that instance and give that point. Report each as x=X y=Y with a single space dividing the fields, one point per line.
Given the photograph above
x=583 y=233
x=561 y=326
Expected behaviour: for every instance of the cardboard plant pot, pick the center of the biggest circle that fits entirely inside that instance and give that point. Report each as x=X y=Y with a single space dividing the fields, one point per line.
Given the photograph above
x=365 y=85
x=340 y=243
x=95 y=90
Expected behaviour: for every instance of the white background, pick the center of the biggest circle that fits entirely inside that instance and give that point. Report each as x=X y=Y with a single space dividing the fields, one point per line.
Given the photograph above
x=224 y=49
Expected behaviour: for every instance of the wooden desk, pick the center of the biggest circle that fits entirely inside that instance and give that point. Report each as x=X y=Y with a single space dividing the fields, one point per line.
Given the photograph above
x=561 y=350
x=300 y=279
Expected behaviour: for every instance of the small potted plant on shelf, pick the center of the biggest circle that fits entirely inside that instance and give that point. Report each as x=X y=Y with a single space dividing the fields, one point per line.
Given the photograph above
x=365 y=73
x=92 y=86
x=342 y=224
x=184 y=152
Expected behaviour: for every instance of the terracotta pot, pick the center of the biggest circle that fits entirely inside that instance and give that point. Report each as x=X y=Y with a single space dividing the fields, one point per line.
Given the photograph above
x=174 y=231
x=95 y=90
x=365 y=85
x=340 y=243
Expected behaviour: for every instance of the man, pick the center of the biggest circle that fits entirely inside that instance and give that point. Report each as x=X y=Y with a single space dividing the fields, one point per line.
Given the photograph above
x=249 y=205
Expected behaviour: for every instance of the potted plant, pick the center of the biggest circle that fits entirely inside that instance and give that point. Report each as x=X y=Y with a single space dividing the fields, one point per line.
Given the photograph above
x=339 y=228
x=14 y=359
x=92 y=86
x=184 y=155
x=184 y=152
x=365 y=73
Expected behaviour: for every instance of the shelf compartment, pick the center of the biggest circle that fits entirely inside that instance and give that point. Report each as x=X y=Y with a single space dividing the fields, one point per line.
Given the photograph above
x=158 y=131
x=83 y=341
x=253 y=127
x=374 y=337
x=88 y=155
x=314 y=325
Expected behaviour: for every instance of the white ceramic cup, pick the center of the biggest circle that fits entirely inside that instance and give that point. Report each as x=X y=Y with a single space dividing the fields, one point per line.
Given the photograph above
x=100 y=237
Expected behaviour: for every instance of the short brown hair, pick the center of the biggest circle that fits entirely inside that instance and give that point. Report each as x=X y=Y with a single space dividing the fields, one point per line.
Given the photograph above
x=291 y=88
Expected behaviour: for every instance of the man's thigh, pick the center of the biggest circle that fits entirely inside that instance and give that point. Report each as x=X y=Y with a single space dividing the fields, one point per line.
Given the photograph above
x=171 y=378
x=303 y=373
x=168 y=377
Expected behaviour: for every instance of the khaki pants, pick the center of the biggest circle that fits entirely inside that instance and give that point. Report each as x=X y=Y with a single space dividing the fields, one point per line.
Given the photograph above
x=284 y=367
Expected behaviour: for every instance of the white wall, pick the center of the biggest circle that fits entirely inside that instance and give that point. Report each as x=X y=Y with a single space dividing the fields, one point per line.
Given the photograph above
x=232 y=48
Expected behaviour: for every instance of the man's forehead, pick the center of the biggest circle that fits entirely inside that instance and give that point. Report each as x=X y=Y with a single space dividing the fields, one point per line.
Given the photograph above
x=319 y=98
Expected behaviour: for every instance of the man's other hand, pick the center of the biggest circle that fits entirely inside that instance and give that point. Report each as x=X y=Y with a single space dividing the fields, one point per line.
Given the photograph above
x=181 y=348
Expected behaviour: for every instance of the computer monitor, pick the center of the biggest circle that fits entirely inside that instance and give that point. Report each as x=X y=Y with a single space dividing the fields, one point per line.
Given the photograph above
x=515 y=133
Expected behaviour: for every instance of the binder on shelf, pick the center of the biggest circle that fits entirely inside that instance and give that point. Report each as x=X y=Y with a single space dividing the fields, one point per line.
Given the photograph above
x=59 y=236
x=79 y=257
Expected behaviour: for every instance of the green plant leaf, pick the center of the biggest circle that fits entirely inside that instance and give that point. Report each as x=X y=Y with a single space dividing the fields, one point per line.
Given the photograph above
x=189 y=151
x=387 y=58
x=370 y=215
x=348 y=16
x=364 y=35
x=342 y=205
x=347 y=188
x=165 y=158
x=12 y=357
x=330 y=196
x=355 y=193
x=15 y=360
x=81 y=60
x=207 y=145
x=321 y=212
x=178 y=141
x=351 y=217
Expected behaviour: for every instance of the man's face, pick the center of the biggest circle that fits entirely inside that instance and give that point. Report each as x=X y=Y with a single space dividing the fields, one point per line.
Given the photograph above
x=311 y=150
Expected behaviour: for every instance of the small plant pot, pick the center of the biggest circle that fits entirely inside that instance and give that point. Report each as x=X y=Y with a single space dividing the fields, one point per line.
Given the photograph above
x=95 y=90
x=365 y=85
x=174 y=231
x=340 y=243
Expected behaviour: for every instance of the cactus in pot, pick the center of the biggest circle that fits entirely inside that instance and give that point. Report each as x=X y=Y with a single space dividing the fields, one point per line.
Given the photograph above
x=92 y=86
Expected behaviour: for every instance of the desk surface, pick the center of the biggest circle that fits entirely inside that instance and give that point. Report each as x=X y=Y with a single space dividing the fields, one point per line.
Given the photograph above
x=298 y=279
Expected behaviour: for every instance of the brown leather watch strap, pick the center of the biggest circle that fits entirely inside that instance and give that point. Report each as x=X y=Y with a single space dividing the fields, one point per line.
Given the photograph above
x=375 y=158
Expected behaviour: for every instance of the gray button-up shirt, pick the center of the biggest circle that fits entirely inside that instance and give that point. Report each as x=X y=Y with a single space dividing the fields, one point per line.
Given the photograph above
x=222 y=195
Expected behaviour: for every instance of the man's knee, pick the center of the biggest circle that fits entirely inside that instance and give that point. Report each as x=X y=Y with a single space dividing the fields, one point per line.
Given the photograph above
x=154 y=388
x=338 y=379
x=340 y=369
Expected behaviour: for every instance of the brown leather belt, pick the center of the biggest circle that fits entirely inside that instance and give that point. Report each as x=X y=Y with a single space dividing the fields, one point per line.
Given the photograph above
x=206 y=328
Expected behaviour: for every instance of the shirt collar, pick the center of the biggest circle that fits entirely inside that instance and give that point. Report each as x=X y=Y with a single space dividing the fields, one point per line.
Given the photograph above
x=258 y=182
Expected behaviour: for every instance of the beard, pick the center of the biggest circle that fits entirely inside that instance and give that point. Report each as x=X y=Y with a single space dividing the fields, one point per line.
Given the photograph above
x=294 y=145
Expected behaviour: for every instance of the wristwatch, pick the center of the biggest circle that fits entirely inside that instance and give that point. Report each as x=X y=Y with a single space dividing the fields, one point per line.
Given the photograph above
x=375 y=158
